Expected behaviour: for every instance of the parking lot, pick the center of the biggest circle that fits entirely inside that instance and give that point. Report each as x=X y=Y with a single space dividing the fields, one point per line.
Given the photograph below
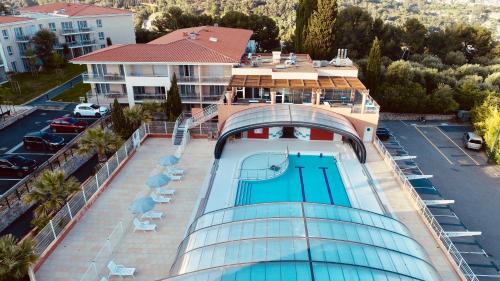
x=11 y=140
x=457 y=174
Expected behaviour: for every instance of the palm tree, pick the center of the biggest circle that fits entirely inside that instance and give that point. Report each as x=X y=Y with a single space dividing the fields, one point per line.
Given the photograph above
x=99 y=140
x=15 y=258
x=51 y=191
x=136 y=115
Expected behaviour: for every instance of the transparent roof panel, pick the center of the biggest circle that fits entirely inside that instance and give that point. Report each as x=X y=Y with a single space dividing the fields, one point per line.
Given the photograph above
x=360 y=244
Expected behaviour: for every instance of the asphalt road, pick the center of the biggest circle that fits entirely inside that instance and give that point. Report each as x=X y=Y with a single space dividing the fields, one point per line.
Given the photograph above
x=11 y=138
x=462 y=175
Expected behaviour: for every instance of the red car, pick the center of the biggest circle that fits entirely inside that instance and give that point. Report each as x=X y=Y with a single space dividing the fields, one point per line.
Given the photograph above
x=68 y=125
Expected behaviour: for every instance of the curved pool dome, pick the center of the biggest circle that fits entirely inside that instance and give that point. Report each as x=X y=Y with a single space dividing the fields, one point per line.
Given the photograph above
x=299 y=242
x=281 y=115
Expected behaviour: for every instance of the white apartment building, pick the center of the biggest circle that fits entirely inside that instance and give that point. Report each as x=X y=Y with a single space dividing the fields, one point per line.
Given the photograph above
x=202 y=59
x=83 y=28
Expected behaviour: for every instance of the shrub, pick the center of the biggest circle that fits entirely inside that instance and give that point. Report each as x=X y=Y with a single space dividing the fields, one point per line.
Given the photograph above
x=455 y=58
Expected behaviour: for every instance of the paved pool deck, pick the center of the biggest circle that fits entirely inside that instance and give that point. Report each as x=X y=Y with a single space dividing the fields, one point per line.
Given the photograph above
x=152 y=253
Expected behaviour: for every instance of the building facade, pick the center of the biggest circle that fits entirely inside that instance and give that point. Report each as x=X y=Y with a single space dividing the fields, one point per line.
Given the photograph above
x=82 y=28
x=201 y=58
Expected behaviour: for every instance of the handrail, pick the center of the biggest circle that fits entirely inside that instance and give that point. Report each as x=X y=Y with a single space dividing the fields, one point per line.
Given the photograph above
x=439 y=232
x=268 y=173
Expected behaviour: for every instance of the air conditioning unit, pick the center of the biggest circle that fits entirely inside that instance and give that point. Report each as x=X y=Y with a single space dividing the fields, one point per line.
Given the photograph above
x=316 y=63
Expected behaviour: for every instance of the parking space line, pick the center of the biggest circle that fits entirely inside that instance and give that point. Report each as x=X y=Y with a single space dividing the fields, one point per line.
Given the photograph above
x=32 y=153
x=2 y=179
x=14 y=148
x=473 y=160
x=439 y=150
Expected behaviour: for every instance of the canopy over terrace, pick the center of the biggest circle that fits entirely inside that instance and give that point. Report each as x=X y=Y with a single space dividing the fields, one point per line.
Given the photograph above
x=323 y=82
x=290 y=116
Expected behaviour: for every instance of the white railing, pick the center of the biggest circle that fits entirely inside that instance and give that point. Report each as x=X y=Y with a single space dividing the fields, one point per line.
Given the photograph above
x=450 y=248
x=104 y=254
x=265 y=173
x=208 y=113
x=186 y=136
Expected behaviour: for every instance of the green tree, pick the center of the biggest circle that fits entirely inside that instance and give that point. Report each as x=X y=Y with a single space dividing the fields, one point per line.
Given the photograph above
x=390 y=37
x=174 y=103
x=469 y=94
x=414 y=35
x=44 y=41
x=31 y=60
x=486 y=119
x=120 y=123
x=15 y=257
x=304 y=11
x=442 y=101
x=373 y=68
x=353 y=31
x=136 y=115
x=50 y=190
x=320 y=39
x=99 y=140
x=455 y=58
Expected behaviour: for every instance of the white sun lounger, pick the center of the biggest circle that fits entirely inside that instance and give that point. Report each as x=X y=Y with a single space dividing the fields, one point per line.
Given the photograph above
x=153 y=215
x=160 y=199
x=144 y=225
x=120 y=270
x=165 y=191
x=174 y=171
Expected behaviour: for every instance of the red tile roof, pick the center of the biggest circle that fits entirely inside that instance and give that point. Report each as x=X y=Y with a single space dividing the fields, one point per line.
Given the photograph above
x=10 y=19
x=178 y=47
x=74 y=10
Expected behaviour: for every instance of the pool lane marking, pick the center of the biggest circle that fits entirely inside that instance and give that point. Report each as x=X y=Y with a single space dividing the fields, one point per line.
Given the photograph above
x=439 y=150
x=327 y=184
x=302 y=183
x=473 y=160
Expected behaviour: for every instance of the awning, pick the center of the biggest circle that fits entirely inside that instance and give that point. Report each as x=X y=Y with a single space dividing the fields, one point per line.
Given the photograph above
x=323 y=82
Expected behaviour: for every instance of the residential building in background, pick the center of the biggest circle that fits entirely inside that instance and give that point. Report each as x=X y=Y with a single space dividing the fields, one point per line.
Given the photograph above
x=201 y=58
x=83 y=28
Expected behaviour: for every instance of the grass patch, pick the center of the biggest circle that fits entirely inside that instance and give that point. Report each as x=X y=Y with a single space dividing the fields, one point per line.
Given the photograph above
x=34 y=85
x=74 y=93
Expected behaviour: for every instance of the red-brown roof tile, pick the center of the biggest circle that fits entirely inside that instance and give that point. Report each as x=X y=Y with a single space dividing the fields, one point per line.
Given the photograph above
x=178 y=47
x=10 y=19
x=74 y=10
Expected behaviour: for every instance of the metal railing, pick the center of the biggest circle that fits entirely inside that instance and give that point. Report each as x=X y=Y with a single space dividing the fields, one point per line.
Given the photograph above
x=152 y=96
x=426 y=214
x=81 y=199
x=23 y=38
x=270 y=172
x=76 y=30
x=102 y=77
x=139 y=74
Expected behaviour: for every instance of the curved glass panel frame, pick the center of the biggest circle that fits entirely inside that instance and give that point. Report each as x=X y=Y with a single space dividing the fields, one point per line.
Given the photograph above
x=290 y=115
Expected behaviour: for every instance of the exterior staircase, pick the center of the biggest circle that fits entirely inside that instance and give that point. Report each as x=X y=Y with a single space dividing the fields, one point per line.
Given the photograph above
x=186 y=121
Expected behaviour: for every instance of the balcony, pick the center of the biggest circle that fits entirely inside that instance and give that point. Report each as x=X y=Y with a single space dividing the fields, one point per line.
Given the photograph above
x=147 y=96
x=25 y=54
x=23 y=38
x=106 y=98
x=188 y=79
x=90 y=78
x=69 y=31
x=190 y=98
x=204 y=80
x=138 y=74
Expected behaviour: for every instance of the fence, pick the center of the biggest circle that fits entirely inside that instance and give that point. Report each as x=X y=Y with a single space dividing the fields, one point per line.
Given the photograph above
x=427 y=215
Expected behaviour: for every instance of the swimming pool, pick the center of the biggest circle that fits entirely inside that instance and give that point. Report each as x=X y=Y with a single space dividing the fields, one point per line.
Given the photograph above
x=309 y=178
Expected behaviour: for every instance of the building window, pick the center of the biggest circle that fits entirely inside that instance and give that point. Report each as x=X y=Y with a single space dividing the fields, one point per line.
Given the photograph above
x=14 y=66
x=52 y=26
x=101 y=35
x=5 y=34
x=9 y=50
x=82 y=25
x=67 y=26
x=188 y=90
x=98 y=23
x=186 y=70
x=103 y=46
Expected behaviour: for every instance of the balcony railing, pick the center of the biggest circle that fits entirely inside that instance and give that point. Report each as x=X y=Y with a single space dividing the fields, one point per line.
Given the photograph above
x=204 y=79
x=138 y=74
x=190 y=97
x=25 y=54
x=147 y=96
x=184 y=79
x=102 y=78
x=23 y=38
x=76 y=30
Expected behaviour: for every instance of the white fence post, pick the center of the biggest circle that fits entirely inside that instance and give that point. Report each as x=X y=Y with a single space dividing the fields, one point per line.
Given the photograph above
x=165 y=124
x=97 y=180
x=53 y=230
x=107 y=167
x=69 y=211
x=84 y=197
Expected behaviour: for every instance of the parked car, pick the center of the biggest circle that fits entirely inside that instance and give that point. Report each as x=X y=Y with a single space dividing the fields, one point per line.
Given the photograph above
x=90 y=110
x=68 y=125
x=473 y=141
x=43 y=141
x=383 y=134
x=16 y=165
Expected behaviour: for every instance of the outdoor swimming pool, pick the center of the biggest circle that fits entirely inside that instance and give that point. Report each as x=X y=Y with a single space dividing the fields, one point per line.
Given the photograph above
x=309 y=178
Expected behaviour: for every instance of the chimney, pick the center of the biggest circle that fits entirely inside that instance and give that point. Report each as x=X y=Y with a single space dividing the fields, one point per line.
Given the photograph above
x=276 y=56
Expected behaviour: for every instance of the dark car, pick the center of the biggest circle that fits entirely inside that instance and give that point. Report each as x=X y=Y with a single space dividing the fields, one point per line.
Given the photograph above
x=68 y=125
x=43 y=141
x=16 y=165
x=383 y=134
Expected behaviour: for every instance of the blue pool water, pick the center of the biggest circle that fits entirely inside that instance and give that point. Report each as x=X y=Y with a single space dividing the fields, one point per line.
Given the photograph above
x=308 y=178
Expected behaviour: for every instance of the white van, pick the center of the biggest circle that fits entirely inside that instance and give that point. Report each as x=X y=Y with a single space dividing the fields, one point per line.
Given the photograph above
x=473 y=141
